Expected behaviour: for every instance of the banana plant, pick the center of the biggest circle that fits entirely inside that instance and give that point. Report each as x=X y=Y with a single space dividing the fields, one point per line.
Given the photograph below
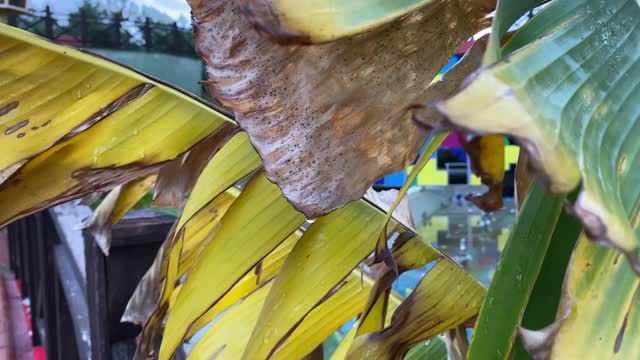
x=320 y=100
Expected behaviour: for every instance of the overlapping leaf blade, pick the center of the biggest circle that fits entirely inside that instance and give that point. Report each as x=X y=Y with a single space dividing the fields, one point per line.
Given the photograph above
x=256 y=223
x=432 y=308
x=602 y=297
x=568 y=97
x=83 y=124
x=326 y=118
x=515 y=276
x=114 y=206
x=337 y=243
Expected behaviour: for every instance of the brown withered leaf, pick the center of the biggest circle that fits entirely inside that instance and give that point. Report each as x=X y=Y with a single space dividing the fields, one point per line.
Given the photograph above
x=145 y=297
x=177 y=179
x=486 y=154
x=100 y=222
x=114 y=206
x=384 y=199
x=329 y=120
x=524 y=178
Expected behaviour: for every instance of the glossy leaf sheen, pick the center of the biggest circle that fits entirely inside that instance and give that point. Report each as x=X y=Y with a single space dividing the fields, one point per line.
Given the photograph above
x=544 y=299
x=515 y=275
x=589 y=66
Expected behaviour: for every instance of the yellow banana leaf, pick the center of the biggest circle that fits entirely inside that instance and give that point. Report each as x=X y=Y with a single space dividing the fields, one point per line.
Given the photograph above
x=347 y=302
x=341 y=351
x=432 y=308
x=235 y=160
x=114 y=206
x=73 y=123
x=254 y=225
x=265 y=271
x=228 y=336
x=202 y=226
x=337 y=243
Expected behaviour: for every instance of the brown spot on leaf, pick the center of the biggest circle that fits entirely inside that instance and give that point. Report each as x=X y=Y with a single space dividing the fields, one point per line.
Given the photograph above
x=21 y=135
x=623 y=327
x=617 y=257
x=258 y=272
x=124 y=100
x=12 y=129
x=46 y=123
x=7 y=108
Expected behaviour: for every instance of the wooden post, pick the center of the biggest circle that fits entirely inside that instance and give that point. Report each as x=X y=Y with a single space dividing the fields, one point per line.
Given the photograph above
x=84 y=29
x=147 y=34
x=117 y=28
x=48 y=23
x=176 y=38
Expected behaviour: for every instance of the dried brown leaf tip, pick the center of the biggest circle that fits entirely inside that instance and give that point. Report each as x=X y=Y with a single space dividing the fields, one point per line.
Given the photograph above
x=486 y=154
x=329 y=119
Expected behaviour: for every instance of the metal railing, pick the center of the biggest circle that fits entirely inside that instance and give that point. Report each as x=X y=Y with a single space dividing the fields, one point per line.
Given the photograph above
x=110 y=31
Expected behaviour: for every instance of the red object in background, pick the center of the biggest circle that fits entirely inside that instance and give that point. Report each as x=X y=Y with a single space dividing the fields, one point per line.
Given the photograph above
x=38 y=351
x=452 y=141
x=69 y=40
x=466 y=46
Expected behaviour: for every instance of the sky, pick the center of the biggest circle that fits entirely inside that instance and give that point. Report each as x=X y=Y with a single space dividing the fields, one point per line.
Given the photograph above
x=176 y=9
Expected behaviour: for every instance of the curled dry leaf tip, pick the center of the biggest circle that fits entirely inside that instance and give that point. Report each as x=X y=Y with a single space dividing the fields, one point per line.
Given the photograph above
x=329 y=119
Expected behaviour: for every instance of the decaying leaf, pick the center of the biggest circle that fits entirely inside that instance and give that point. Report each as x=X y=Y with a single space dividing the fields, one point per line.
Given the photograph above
x=145 y=297
x=432 y=308
x=177 y=179
x=88 y=126
x=384 y=199
x=590 y=78
x=327 y=119
x=409 y=252
x=523 y=178
x=486 y=154
x=114 y=206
